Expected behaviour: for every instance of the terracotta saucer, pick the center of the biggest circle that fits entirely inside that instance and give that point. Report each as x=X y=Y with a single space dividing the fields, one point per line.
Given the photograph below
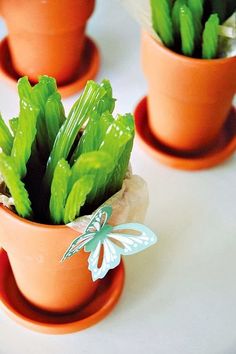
x=87 y=70
x=223 y=148
x=20 y=310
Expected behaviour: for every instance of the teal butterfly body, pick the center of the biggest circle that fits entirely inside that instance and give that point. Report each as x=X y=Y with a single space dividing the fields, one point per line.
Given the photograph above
x=109 y=242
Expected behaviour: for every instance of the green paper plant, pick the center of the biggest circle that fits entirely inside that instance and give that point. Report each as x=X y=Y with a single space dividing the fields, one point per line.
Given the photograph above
x=190 y=26
x=54 y=167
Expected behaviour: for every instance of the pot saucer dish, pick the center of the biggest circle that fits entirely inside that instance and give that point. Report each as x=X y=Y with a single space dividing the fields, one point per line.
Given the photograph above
x=87 y=70
x=223 y=148
x=21 y=311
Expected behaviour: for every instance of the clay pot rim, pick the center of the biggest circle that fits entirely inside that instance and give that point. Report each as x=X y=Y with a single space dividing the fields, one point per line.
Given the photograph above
x=184 y=58
x=10 y=214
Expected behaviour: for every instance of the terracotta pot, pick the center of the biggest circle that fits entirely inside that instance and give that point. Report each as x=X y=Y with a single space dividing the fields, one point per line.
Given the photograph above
x=46 y=37
x=188 y=99
x=34 y=252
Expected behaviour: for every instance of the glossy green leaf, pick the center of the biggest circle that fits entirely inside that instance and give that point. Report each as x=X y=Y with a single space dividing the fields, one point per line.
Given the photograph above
x=176 y=15
x=196 y=7
x=210 y=37
x=107 y=102
x=116 y=139
x=24 y=88
x=99 y=164
x=69 y=130
x=94 y=134
x=187 y=30
x=161 y=20
x=40 y=94
x=6 y=139
x=49 y=85
x=25 y=136
x=59 y=191
x=99 y=121
x=77 y=198
x=116 y=178
x=15 y=186
x=54 y=116
x=14 y=124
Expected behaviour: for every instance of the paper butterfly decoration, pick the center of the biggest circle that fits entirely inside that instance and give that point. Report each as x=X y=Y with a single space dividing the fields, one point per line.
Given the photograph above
x=124 y=239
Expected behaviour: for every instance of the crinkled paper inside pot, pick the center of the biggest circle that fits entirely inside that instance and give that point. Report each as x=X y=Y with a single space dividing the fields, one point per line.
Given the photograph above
x=227 y=42
x=128 y=205
x=5 y=198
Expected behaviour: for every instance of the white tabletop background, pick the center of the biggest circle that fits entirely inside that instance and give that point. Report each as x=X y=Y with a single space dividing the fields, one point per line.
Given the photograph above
x=180 y=295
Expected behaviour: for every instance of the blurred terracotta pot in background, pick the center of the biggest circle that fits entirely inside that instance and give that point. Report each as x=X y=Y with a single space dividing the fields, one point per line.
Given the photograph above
x=46 y=37
x=188 y=99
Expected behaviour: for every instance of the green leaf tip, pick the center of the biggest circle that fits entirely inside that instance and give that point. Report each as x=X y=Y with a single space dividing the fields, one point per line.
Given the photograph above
x=187 y=30
x=210 y=37
x=161 y=21
x=59 y=191
x=25 y=136
x=77 y=198
x=6 y=138
x=15 y=185
x=176 y=15
x=196 y=7
x=68 y=132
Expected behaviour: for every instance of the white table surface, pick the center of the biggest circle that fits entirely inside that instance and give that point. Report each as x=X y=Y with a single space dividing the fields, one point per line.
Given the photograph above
x=180 y=295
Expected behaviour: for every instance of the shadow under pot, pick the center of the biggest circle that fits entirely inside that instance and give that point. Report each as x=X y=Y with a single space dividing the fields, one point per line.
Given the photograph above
x=46 y=37
x=189 y=99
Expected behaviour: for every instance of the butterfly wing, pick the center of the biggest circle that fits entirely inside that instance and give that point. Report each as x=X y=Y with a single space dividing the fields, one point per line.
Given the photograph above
x=97 y=222
x=110 y=260
x=125 y=239
x=134 y=238
x=99 y=219
x=77 y=245
x=119 y=243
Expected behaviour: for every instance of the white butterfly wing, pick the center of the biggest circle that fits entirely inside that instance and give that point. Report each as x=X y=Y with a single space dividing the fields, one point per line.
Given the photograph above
x=77 y=245
x=125 y=239
x=130 y=242
x=111 y=259
x=99 y=219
